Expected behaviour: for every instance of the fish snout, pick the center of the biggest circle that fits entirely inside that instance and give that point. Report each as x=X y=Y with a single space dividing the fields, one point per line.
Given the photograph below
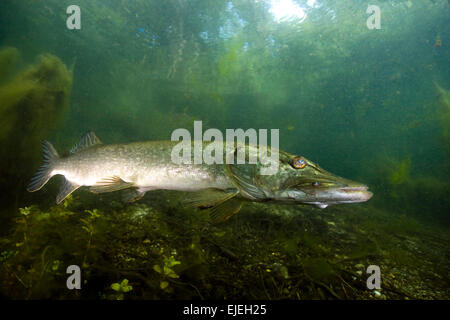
x=355 y=193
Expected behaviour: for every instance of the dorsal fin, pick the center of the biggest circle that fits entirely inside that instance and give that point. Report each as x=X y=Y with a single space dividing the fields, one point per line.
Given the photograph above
x=89 y=139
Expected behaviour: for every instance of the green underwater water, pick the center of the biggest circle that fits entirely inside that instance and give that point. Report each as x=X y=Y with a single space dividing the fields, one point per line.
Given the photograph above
x=369 y=105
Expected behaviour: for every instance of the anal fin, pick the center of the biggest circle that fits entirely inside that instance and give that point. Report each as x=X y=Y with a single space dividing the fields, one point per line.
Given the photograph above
x=110 y=184
x=66 y=189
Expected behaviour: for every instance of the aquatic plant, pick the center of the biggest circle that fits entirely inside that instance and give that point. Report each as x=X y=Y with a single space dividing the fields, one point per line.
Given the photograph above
x=33 y=102
x=166 y=270
x=443 y=113
x=121 y=288
x=88 y=226
x=169 y=256
x=318 y=269
x=230 y=65
x=8 y=60
x=401 y=172
x=40 y=93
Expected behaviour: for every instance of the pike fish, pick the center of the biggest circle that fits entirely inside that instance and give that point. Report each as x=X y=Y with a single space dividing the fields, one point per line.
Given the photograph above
x=221 y=188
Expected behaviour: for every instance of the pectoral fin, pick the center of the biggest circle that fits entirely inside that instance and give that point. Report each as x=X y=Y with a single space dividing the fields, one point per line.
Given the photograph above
x=110 y=184
x=220 y=204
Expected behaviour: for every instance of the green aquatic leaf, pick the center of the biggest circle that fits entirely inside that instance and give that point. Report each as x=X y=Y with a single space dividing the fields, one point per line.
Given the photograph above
x=25 y=211
x=170 y=262
x=163 y=284
x=157 y=268
x=55 y=265
x=170 y=273
x=115 y=287
x=122 y=287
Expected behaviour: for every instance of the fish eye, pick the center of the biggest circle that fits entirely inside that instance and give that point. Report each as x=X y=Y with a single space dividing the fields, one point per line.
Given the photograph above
x=315 y=184
x=298 y=163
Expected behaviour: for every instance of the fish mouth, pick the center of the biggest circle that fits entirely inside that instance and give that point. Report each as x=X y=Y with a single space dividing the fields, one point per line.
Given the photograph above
x=352 y=189
x=336 y=195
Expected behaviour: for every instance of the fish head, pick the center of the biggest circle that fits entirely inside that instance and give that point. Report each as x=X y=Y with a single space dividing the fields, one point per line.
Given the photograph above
x=300 y=180
x=297 y=180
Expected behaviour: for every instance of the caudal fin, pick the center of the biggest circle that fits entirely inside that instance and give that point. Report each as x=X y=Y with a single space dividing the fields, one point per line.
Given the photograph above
x=44 y=173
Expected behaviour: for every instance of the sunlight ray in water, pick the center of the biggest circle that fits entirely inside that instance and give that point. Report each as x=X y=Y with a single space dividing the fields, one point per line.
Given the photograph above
x=285 y=10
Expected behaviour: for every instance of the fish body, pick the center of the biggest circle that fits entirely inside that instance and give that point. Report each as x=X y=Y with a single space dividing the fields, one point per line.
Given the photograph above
x=221 y=187
x=145 y=165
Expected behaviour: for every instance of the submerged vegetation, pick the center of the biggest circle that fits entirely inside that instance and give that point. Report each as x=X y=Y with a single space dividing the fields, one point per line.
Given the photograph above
x=154 y=250
x=34 y=99
x=443 y=113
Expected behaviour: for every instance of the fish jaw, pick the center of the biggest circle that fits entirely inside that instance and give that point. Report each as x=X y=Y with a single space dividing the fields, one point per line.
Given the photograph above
x=323 y=197
x=353 y=194
x=341 y=196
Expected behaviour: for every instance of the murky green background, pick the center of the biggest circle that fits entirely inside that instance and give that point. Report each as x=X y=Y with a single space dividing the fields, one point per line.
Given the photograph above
x=369 y=105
